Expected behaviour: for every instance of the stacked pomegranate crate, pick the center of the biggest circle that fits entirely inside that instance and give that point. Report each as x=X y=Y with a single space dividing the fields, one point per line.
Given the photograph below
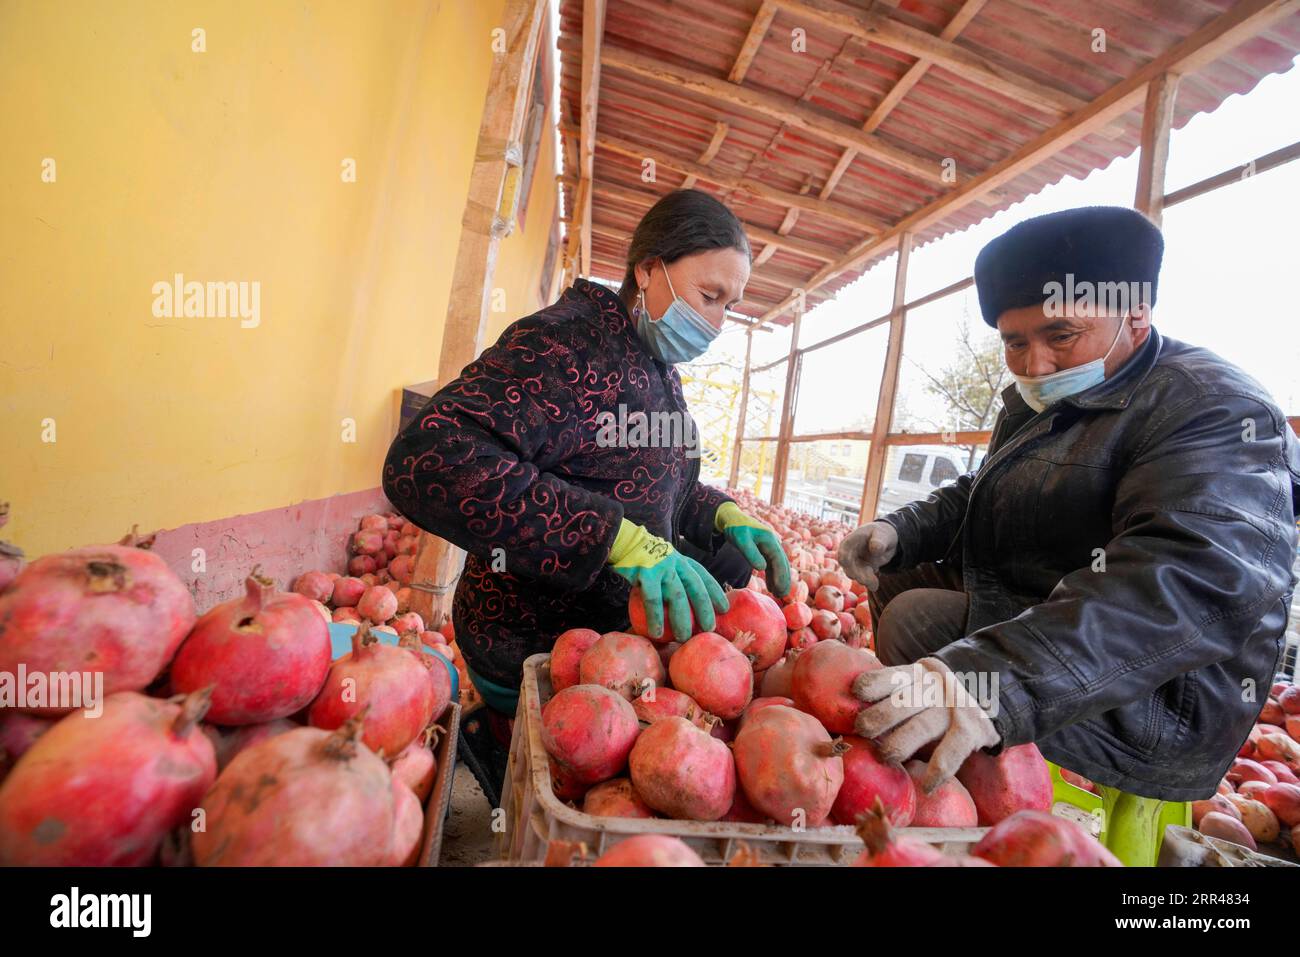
x=739 y=743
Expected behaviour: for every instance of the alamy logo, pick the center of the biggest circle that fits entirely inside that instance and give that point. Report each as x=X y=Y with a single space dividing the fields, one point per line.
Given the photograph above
x=53 y=689
x=103 y=910
x=655 y=430
x=1097 y=298
x=208 y=300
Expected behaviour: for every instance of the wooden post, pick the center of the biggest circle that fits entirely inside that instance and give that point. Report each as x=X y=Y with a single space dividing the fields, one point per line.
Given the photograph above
x=593 y=32
x=1157 y=114
x=782 y=461
x=740 y=416
x=489 y=215
x=888 y=387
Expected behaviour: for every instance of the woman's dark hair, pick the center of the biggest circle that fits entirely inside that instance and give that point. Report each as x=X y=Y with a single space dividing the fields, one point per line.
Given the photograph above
x=685 y=221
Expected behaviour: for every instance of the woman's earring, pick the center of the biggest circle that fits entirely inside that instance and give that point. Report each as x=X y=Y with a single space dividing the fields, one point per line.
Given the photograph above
x=639 y=309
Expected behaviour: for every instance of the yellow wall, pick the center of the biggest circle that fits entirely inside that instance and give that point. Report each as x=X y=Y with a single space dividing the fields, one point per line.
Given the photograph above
x=225 y=166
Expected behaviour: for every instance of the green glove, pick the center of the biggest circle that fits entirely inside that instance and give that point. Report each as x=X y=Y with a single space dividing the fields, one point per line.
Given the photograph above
x=758 y=543
x=667 y=578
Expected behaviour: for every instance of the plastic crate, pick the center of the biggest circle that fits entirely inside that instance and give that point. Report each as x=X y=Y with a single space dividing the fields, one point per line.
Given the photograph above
x=435 y=812
x=535 y=816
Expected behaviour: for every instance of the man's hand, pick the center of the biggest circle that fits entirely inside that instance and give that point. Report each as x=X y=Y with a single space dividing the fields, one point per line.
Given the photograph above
x=758 y=543
x=864 y=551
x=667 y=579
x=912 y=705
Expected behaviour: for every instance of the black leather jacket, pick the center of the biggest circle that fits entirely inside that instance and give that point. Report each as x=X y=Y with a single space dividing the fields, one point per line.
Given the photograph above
x=1127 y=555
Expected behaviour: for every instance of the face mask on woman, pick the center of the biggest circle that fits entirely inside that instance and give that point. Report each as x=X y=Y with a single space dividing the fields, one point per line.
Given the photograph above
x=679 y=335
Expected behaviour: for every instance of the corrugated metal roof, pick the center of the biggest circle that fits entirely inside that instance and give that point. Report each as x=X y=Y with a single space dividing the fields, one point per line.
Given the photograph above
x=1046 y=43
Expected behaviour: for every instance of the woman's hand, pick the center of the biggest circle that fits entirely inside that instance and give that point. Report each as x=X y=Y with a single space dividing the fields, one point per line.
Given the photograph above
x=758 y=543
x=667 y=578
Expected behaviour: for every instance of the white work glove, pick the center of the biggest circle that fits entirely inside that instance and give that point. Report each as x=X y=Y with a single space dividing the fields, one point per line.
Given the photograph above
x=912 y=705
x=865 y=550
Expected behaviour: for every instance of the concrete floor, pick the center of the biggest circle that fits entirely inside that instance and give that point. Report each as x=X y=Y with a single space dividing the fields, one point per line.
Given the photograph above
x=467 y=836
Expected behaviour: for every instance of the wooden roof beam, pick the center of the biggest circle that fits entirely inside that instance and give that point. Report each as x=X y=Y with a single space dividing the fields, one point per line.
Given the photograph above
x=1243 y=21
x=876 y=27
x=753 y=40
x=593 y=33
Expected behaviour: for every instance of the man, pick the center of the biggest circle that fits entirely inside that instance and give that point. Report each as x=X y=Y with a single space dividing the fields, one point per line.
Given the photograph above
x=1113 y=583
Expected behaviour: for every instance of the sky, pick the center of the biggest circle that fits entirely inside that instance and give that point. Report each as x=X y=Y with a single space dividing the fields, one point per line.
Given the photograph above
x=1228 y=257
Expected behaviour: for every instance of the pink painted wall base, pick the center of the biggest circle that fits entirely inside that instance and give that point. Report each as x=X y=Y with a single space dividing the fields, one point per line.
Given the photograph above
x=214 y=558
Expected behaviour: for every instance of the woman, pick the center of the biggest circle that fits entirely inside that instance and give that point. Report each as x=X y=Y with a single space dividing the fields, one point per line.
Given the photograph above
x=513 y=462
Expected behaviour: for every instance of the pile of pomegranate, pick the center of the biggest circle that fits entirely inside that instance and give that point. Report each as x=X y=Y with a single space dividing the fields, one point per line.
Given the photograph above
x=1258 y=800
x=752 y=723
x=229 y=738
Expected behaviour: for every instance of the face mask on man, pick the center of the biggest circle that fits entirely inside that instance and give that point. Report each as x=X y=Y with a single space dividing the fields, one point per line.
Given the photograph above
x=1040 y=391
x=679 y=335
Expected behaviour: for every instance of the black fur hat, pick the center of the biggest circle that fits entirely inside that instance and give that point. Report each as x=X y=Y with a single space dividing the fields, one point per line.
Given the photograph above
x=1089 y=245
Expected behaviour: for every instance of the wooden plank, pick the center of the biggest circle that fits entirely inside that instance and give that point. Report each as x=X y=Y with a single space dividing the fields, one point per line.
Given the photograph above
x=977 y=437
x=1157 y=115
x=1260 y=164
x=734 y=477
x=753 y=40
x=1243 y=21
x=438 y=562
x=888 y=387
x=782 y=461
x=593 y=33
x=861 y=221
x=778 y=107
x=876 y=27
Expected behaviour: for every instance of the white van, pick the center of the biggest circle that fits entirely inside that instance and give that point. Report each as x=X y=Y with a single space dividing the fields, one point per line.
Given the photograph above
x=914 y=471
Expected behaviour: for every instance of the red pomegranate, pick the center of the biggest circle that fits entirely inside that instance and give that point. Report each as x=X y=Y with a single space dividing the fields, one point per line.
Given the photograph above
x=950 y=805
x=778 y=680
x=308 y=798
x=1039 y=839
x=389 y=685
x=650 y=850
x=112 y=609
x=1018 y=779
x=871 y=782
x=347 y=592
x=566 y=656
x=104 y=792
x=408 y=826
x=267 y=655
x=439 y=676
x=715 y=673
x=416 y=767
x=615 y=798
x=822 y=683
x=378 y=604
x=884 y=848
x=788 y=765
x=755 y=624
x=589 y=731
x=317 y=586
x=622 y=662
x=639 y=626
x=658 y=703
x=683 y=771
x=229 y=745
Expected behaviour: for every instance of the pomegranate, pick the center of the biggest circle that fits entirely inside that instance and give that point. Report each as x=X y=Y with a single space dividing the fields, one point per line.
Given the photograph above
x=615 y=798
x=885 y=849
x=829 y=598
x=317 y=586
x=682 y=771
x=112 y=609
x=408 y=826
x=402 y=568
x=565 y=786
x=566 y=656
x=949 y=805
x=788 y=765
x=825 y=625
x=306 y=798
x=589 y=731
x=1018 y=779
x=628 y=664
x=1226 y=828
x=368 y=542
x=229 y=745
x=1215 y=803
x=18 y=732
x=373 y=523
x=266 y=655
x=822 y=683
x=1244 y=769
x=650 y=850
x=1284 y=801
x=797 y=616
x=754 y=623
x=410 y=621
x=377 y=604
x=871 y=782
x=390 y=686
x=1289 y=699
x=439 y=676
x=758 y=704
x=715 y=673
x=347 y=592
x=742 y=812
x=658 y=703
x=1280 y=771
x=104 y=792
x=346 y=616
x=416 y=766
x=803 y=639
x=362 y=566
x=777 y=679
x=1039 y=839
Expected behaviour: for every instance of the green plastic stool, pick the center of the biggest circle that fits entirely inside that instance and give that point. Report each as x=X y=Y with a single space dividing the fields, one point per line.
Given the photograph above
x=1132 y=827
